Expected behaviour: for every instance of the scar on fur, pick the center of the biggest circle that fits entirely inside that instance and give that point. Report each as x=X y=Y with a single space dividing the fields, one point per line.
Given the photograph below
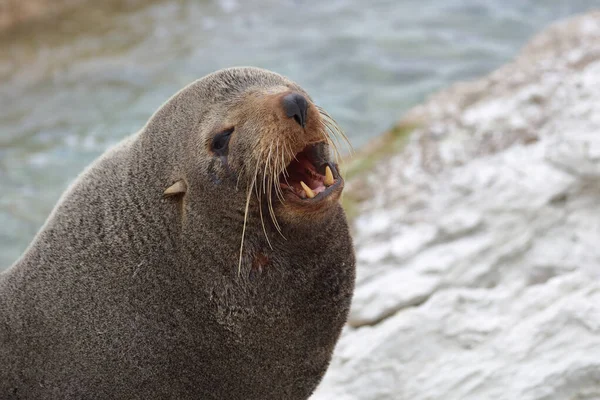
x=260 y=261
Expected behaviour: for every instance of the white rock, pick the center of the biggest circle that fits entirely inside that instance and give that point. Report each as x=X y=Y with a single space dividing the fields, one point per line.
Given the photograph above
x=411 y=240
x=388 y=293
x=473 y=344
x=459 y=223
x=479 y=254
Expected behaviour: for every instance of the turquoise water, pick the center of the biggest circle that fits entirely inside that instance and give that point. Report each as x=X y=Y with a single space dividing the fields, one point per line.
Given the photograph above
x=71 y=88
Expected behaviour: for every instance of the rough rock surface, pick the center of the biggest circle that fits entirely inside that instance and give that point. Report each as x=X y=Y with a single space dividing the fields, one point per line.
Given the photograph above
x=479 y=250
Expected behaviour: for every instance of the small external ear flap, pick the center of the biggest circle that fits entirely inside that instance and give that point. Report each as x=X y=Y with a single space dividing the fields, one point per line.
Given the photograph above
x=179 y=187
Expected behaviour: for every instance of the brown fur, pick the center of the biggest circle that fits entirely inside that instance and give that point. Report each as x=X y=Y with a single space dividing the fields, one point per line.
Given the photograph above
x=126 y=294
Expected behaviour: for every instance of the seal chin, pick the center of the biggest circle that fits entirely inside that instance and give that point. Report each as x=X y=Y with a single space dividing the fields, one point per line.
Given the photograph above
x=311 y=178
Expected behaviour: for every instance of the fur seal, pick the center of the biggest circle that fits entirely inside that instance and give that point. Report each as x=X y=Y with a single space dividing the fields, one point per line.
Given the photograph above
x=205 y=257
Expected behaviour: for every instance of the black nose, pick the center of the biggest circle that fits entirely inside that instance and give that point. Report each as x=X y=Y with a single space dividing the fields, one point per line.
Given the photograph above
x=295 y=106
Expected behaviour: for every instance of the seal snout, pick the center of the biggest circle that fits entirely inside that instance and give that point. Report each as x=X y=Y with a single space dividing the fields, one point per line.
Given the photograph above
x=295 y=106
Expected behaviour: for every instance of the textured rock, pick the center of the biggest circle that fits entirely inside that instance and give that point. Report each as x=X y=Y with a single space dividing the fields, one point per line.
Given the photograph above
x=533 y=342
x=479 y=252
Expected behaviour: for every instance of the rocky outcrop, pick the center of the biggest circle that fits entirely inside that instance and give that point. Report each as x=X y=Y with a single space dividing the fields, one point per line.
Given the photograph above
x=479 y=247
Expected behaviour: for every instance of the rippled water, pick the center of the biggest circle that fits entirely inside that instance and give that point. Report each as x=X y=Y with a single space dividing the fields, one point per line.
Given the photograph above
x=71 y=88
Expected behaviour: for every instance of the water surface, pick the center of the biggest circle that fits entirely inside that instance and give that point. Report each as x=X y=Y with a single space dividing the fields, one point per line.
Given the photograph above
x=71 y=88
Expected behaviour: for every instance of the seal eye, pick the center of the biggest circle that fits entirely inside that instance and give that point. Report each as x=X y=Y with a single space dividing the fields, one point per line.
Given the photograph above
x=221 y=141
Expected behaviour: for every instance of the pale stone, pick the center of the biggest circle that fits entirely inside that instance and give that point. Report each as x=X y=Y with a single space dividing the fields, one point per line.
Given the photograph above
x=479 y=261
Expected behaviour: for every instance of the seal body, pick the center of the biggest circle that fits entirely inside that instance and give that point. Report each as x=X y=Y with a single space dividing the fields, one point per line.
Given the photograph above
x=126 y=293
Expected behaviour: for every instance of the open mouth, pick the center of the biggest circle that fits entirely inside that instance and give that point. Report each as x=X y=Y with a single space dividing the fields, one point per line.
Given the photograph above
x=311 y=176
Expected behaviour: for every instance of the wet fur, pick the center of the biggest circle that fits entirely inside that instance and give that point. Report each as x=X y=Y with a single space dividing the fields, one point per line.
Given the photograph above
x=126 y=294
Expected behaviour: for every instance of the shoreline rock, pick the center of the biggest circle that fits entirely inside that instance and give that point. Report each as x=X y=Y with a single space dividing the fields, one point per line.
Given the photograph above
x=478 y=256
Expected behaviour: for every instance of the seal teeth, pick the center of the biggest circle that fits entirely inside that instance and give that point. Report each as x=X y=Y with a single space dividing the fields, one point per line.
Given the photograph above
x=309 y=193
x=328 y=176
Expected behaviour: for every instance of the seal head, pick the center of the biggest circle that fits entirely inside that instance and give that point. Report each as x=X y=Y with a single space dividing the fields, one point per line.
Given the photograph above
x=264 y=134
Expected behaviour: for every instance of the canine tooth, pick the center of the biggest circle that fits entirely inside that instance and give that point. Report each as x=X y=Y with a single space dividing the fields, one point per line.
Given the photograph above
x=328 y=176
x=309 y=193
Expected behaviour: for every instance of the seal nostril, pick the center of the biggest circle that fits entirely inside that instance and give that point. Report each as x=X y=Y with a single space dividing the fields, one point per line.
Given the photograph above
x=298 y=120
x=296 y=106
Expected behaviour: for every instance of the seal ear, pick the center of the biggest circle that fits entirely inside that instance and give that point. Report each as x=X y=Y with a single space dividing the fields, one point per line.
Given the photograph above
x=179 y=187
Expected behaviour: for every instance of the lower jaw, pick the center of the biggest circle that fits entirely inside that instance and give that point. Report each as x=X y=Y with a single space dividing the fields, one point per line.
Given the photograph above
x=320 y=202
